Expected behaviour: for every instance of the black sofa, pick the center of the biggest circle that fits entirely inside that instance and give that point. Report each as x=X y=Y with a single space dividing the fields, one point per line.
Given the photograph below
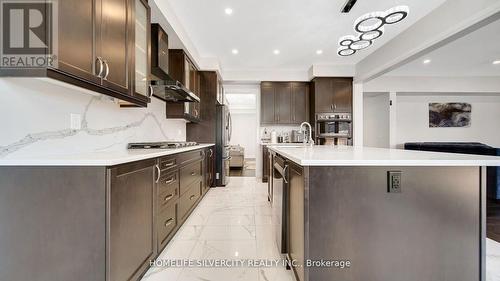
x=493 y=173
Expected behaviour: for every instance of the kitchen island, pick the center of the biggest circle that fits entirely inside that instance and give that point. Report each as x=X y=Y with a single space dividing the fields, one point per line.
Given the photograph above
x=356 y=213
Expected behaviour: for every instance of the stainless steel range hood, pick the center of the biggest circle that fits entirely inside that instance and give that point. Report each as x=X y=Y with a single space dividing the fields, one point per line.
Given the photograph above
x=172 y=91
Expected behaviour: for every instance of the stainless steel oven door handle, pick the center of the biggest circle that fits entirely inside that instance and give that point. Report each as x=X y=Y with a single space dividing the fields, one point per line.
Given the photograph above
x=230 y=125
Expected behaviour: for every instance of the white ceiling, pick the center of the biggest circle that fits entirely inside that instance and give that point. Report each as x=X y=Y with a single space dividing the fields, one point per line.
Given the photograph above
x=296 y=27
x=471 y=55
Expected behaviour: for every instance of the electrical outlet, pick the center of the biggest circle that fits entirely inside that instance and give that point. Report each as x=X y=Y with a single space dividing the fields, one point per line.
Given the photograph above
x=394 y=181
x=76 y=121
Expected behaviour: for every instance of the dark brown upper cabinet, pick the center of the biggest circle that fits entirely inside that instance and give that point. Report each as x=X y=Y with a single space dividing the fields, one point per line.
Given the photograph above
x=159 y=52
x=284 y=102
x=112 y=49
x=141 y=45
x=182 y=69
x=96 y=50
x=300 y=102
x=331 y=94
x=76 y=40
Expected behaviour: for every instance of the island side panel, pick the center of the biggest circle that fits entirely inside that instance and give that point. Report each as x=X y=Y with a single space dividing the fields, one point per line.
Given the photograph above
x=429 y=231
x=52 y=223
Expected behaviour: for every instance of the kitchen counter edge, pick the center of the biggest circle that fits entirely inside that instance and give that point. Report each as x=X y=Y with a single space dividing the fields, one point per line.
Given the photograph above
x=367 y=156
x=97 y=159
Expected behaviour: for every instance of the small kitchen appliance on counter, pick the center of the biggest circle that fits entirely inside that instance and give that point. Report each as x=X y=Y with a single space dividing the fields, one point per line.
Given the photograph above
x=297 y=136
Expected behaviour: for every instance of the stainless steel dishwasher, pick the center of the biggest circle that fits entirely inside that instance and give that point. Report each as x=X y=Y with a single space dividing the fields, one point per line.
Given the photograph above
x=279 y=203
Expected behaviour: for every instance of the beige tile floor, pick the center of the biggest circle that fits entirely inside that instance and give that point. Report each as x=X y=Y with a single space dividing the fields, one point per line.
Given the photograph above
x=234 y=222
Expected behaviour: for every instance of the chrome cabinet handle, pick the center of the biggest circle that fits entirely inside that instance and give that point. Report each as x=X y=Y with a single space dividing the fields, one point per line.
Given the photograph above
x=211 y=152
x=192 y=197
x=169 y=221
x=159 y=173
x=107 y=70
x=171 y=163
x=193 y=174
x=168 y=197
x=151 y=91
x=170 y=180
x=101 y=67
x=284 y=174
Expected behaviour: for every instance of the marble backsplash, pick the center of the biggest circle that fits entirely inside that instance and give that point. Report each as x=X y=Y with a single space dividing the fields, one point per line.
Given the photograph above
x=35 y=120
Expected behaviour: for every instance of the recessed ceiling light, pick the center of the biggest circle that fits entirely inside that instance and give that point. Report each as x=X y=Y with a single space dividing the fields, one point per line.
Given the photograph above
x=228 y=11
x=234 y=51
x=276 y=52
x=427 y=61
x=319 y=52
x=496 y=62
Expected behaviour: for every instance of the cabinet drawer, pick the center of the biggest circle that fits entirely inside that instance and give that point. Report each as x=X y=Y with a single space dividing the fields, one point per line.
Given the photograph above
x=189 y=174
x=187 y=157
x=168 y=182
x=168 y=162
x=187 y=201
x=167 y=221
x=168 y=190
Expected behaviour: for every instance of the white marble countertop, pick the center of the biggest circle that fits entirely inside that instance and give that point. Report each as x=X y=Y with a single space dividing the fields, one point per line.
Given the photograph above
x=101 y=158
x=323 y=155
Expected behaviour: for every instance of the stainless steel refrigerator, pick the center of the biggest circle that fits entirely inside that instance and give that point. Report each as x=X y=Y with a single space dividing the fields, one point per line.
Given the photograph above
x=224 y=130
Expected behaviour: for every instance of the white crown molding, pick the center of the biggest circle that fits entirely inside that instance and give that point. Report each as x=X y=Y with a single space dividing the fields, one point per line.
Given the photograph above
x=257 y=75
x=332 y=70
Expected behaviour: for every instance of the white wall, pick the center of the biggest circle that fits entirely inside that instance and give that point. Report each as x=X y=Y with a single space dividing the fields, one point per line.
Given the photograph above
x=36 y=120
x=376 y=120
x=244 y=133
x=413 y=119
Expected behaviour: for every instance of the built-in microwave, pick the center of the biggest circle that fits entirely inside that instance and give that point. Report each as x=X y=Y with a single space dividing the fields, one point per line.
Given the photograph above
x=334 y=128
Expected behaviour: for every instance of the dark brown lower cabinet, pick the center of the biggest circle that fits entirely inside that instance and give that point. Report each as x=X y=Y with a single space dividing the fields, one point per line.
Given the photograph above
x=95 y=223
x=130 y=230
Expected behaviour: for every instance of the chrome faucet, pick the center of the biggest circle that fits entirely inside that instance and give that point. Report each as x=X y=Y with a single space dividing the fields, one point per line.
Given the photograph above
x=307 y=139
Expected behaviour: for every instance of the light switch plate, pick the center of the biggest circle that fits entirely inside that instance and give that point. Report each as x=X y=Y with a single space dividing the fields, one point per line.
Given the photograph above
x=394 y=184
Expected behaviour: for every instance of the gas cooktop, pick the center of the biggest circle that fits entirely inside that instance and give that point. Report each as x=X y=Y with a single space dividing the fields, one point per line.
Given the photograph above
x=160 y=145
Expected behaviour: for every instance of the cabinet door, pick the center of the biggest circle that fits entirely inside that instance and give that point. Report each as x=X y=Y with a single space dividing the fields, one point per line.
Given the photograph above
x=131 y=242
x=141 y=46
x=76 y=39
x=283 y=106
x=296 y=219
x=323 y=95
x=342 y=94
x=267 y=105
x=300 y=104
x=112 y=45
